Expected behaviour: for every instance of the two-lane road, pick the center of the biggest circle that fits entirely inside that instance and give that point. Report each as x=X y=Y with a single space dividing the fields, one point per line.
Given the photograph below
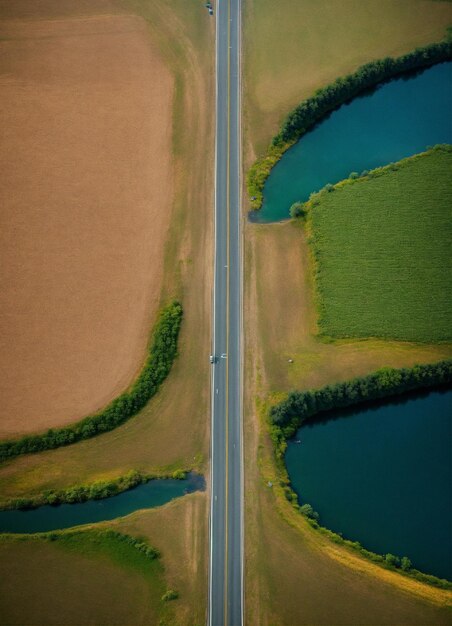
x=226 y=514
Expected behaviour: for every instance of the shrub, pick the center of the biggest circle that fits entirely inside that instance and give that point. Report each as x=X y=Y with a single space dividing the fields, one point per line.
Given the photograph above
x=308 y=511
x=405 y=564
x=297 y=210
x=392 y=560
x=171 y=594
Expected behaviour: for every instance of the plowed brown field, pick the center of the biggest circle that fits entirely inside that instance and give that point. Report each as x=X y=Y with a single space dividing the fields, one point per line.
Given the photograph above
x=85 y=104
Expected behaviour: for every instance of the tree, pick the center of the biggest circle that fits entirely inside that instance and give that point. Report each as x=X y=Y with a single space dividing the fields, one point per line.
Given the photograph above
x=393 y=560
x=297 y=210
x=308 y=511
x=405 y=563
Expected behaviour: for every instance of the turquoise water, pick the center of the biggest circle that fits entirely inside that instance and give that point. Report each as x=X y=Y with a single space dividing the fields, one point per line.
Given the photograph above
x=398 y=119
x=150 y=494
x=382 y=475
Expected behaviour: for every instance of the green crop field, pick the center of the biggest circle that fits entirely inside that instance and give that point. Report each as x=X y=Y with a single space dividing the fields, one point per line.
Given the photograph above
x=382 y=251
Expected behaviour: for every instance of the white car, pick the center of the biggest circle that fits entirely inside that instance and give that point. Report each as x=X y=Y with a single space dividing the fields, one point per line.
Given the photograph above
x=212 y=358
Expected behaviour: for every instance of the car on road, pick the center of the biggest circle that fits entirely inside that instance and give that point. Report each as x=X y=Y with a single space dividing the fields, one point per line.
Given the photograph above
x=212 y=358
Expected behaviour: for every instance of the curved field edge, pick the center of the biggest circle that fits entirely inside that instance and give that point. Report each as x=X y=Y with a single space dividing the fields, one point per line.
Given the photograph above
x=312 y=110
x=285 y=417
x=161 y=354
x=98 y=546
x=373 y=223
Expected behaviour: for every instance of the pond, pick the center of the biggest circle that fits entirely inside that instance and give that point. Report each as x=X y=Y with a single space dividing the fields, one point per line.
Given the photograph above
x=144 y=496
x=382 y=475
x=396 y=120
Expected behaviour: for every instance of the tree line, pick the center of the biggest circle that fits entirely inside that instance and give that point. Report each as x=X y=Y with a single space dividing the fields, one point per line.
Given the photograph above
x=161 y=354
x=324 y=100
x=299 y=406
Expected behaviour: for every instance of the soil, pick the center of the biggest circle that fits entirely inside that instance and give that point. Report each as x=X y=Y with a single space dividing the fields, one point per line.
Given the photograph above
x=86 y=108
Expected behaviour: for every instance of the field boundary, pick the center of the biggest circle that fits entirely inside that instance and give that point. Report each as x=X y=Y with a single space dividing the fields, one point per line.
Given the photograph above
x=161 y=354
x=289 y=414
x=312 y=110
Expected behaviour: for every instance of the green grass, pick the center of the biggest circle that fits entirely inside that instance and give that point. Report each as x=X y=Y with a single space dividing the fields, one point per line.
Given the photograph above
x=92 y=576
x=382 y=251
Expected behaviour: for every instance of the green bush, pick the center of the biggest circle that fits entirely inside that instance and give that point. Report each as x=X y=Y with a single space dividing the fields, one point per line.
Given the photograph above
x=297 y=210
x=405 y=564
x=162 y=352
x=392 y=560
x=308 y=511
x=170 y=595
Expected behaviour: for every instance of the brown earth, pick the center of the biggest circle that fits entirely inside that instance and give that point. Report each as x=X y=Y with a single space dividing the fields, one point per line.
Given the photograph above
x=86 y=203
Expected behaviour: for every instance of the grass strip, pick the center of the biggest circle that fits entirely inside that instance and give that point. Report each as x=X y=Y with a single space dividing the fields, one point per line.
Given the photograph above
x=88 y=552
x=100 y=536
x=297 y=407
x=162 y=352
x=324 y=100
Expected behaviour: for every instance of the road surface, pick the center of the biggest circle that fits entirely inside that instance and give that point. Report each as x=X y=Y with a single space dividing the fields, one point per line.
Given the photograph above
x=226 y=514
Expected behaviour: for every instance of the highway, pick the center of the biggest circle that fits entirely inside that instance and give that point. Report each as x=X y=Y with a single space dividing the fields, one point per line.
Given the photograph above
x=225 y=602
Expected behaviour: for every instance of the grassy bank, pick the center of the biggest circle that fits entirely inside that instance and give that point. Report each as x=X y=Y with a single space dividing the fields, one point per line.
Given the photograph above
x=381 y=250
x=87 y=576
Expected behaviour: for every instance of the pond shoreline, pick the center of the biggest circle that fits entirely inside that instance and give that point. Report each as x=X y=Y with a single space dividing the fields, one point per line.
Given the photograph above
x=143 y=492
x=391 y=485
x=288 y=415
